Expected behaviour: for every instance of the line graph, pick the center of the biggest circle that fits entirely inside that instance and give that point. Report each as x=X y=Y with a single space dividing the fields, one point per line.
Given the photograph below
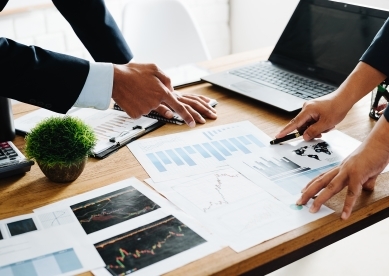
x=216 y=189
x=112 y=208
x=146 y=245
x=56 y=218
x=259 y=214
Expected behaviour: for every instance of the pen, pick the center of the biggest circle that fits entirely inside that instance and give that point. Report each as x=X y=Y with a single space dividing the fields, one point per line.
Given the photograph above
x=127 y=135
x=287 y=137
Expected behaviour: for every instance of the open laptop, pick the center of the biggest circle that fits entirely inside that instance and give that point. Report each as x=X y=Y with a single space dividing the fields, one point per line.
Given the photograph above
x=320 y=46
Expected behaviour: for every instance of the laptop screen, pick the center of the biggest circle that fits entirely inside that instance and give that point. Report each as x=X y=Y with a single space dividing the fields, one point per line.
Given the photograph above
x=326 y=39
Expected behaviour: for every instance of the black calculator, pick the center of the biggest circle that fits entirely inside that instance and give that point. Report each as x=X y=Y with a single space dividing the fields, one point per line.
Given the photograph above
x=12 y=161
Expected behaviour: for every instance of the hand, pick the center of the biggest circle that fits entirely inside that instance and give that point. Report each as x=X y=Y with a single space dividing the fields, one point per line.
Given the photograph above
x=317 y=116
x=358 y=172
x=321 y=115
x=197 y=106
x=140 y=88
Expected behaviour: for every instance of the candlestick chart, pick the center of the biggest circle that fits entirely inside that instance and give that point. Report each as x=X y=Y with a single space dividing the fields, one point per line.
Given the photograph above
x=112 y=208
x=146 y=245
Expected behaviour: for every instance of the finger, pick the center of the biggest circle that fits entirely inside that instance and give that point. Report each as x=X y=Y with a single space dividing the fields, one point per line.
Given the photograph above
x=334 y=186
x=299 y=122
x=369 y=184
x=200 y=106
x=316 y=129
x=315 y=186
x=180 y=109
x=353 y=192
x=196 y=115
x=164 y=111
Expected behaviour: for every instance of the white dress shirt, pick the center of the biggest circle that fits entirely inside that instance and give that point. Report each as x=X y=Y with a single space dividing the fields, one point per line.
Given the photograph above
x=97 y=90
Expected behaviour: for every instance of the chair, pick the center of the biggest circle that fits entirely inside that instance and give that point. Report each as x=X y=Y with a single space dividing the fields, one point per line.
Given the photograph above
x=162 y=32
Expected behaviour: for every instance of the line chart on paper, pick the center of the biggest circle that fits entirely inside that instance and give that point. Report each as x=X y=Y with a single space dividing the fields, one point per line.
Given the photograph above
x=146 y=245
x=112 y=208
x=172 y=156
x=216 y=189
x=56 y=218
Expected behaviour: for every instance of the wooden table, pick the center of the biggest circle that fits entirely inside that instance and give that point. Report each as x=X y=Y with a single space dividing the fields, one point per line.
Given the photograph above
x=22 y=194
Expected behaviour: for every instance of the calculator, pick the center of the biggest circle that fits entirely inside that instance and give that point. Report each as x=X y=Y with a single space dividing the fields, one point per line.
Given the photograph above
x=12 y=161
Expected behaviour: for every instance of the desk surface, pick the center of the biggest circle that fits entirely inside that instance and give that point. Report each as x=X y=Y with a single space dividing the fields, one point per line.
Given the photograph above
x=22 y=194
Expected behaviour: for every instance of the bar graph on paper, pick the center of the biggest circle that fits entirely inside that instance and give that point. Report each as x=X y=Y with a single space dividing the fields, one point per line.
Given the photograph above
x=286 y=173
x=173 y=156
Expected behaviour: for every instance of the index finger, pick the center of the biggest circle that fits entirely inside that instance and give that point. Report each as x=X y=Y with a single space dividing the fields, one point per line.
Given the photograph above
x=302 y=119
x=180 y=109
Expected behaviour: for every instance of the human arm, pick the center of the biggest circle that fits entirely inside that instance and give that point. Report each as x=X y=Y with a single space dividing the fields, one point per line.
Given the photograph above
x=98 y=31
x=322 y=114
x=359 y=170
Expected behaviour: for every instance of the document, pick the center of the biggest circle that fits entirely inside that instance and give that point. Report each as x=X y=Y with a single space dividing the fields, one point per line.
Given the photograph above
x=112 y=128
x=177 y=155
x=252 y=198
x=135 y=230
x=28 y=248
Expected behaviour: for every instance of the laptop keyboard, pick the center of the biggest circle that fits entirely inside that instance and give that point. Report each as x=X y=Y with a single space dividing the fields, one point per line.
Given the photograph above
x=266 y=74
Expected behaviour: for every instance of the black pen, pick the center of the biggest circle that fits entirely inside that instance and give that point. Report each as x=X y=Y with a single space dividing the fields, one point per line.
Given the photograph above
x=286 y=137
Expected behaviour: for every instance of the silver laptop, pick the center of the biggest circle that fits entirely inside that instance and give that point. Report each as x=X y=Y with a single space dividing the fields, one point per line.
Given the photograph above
x=320 y=46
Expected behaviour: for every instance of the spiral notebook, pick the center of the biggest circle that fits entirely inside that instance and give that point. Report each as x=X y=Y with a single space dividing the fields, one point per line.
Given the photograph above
x=176 y=119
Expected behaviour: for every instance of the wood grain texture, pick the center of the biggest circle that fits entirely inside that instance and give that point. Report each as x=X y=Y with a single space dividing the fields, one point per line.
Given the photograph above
x=21 y=194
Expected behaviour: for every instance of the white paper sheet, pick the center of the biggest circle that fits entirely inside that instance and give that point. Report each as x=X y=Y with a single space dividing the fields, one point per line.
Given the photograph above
x=252 y=198
x=134 y=229
x=197 y=151
x=29 y=249
x=234 y=208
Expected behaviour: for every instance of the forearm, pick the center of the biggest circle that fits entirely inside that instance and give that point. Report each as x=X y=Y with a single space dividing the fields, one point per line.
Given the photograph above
x=40 y=77
x=360 y=82
x=378 y=140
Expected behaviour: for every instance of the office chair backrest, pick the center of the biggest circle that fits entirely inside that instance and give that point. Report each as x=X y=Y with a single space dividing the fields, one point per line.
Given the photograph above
x=162 y=32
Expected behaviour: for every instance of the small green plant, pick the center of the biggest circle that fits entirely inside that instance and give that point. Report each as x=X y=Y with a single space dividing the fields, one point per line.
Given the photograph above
x=60 y=141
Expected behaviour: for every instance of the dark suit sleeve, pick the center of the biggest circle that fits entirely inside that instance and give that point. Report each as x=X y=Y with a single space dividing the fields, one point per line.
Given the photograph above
x=52 y=80
x=40 y=77
x=96 y=28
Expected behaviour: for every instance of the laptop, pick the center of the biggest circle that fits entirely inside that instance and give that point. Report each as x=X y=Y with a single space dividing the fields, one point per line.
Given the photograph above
x=320 y=46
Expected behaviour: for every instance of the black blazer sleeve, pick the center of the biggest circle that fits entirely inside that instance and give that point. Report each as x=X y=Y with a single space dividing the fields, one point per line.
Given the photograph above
x=52 y=80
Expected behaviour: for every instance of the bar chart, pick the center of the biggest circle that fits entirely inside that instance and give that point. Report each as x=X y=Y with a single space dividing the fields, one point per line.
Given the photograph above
x=295 y=183
x=51 y=264
x=173 y=156
x=274 y=168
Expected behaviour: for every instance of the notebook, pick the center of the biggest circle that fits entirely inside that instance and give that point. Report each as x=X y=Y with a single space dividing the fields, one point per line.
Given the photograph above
x=176 y=119
x=319 y=47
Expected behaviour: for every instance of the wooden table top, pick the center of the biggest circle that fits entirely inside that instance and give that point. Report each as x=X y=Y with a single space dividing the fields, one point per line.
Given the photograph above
x=22 y=194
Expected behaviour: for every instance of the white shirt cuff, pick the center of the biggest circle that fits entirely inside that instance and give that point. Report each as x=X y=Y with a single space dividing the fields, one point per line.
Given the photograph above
x=97 y=90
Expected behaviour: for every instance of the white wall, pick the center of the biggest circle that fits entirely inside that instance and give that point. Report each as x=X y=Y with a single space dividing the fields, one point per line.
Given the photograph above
x=259 y=23
x=45 y=27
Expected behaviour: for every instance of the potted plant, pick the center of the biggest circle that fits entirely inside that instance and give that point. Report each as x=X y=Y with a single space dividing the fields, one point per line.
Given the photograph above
x=60 y=146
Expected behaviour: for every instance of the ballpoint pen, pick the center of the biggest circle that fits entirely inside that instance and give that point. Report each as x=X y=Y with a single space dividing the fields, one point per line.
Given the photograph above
x=287 y=137
x=127 y=135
